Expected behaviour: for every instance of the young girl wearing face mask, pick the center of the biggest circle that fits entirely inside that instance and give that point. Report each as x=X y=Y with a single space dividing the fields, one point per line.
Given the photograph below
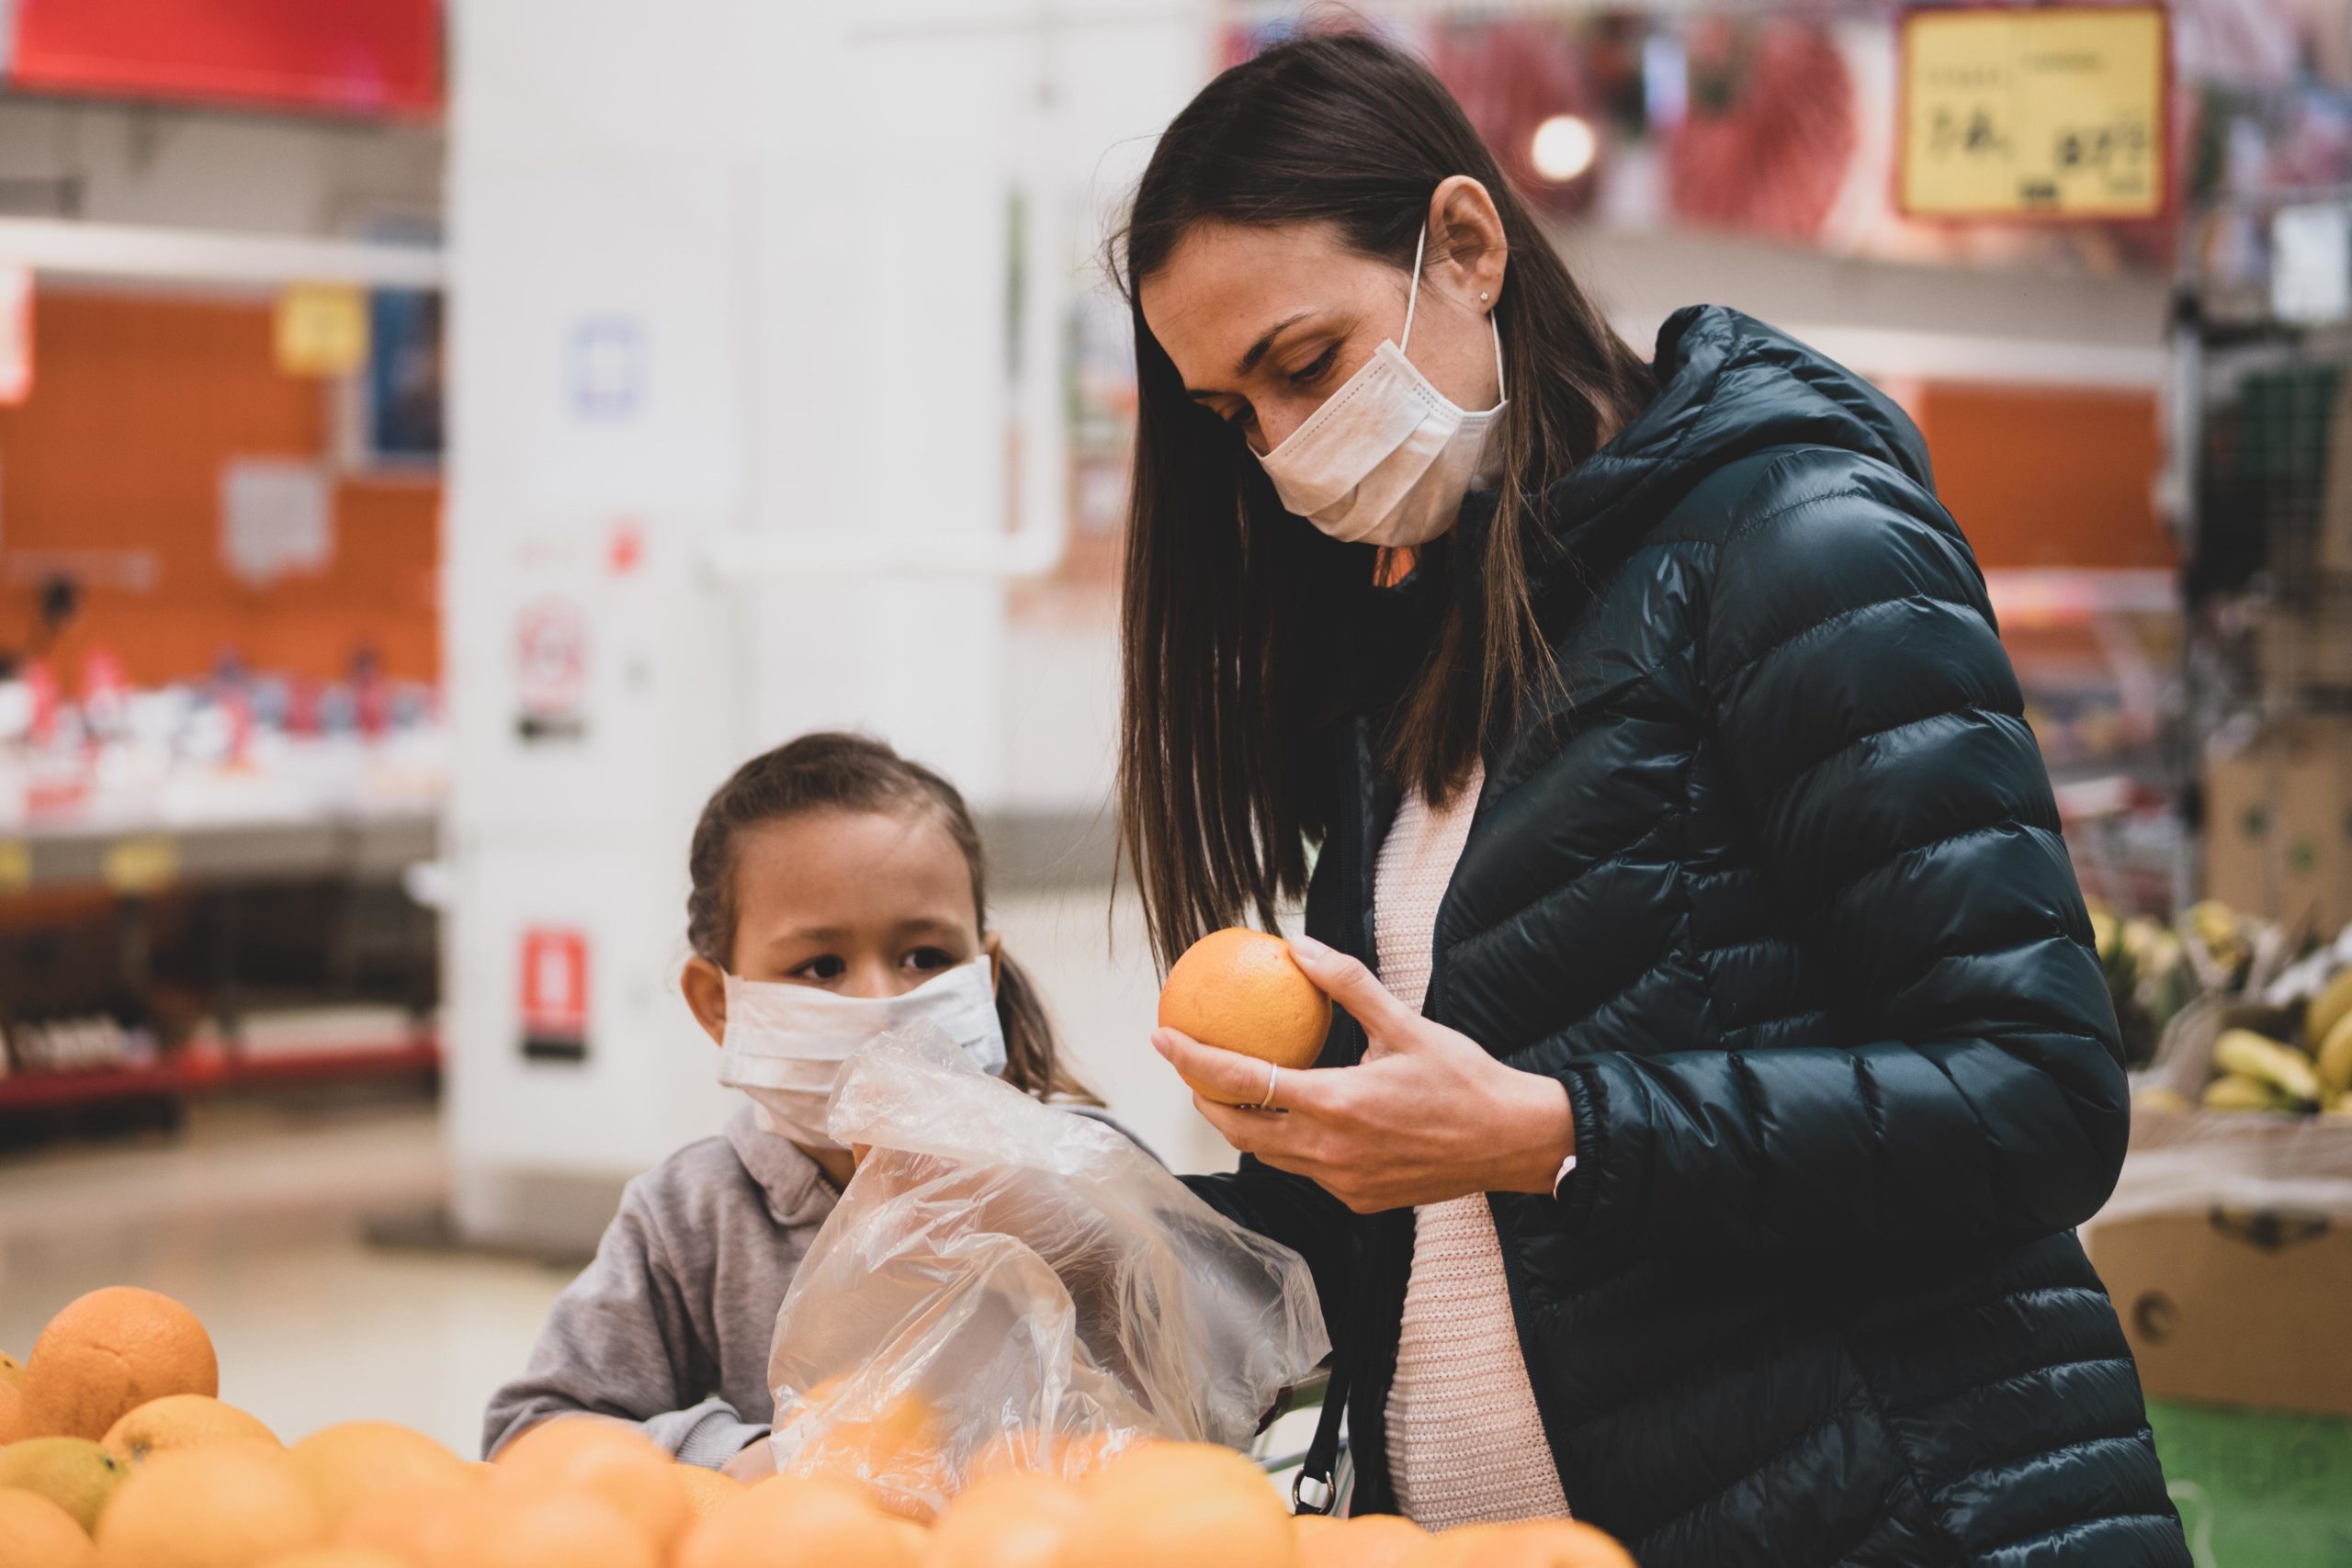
x=839 y=893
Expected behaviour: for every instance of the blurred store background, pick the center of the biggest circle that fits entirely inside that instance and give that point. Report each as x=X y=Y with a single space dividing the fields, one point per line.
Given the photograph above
x=438 y=440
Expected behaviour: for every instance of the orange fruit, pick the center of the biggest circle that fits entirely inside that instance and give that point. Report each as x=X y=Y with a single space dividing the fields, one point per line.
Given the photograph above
x=36 y=1533
x=418 y=1523
x=344 y=1465
x=1179 y=1505
x=1548 y=1543
x=180 y=1421
x=1027 y=1451
x=897 y=1453
x=1451 y=1549
x=224 y=1505
x=800 y=1521
x=12 y=1396
x=1178 y=1465
x=336 y=1557
x=109 y=1352
x=616 y=1462
x=1011 y=1520
x=73 y=1472
x=1242 y=991
x=519 y=1525
x=706 y=1490
x=1375 y=1541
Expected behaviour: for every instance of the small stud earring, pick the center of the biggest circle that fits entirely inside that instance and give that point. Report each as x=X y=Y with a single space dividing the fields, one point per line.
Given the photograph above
x=1483 y=297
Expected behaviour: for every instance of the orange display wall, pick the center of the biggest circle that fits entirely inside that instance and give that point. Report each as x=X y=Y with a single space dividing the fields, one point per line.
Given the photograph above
x=112 y=471
x=2042 y=477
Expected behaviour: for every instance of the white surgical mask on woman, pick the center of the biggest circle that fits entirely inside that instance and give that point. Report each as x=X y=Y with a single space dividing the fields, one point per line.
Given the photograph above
x=786 y=1045
x=1387 y=457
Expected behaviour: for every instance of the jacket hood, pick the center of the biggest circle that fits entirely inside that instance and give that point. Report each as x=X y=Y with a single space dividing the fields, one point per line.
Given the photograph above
x=1729 y=386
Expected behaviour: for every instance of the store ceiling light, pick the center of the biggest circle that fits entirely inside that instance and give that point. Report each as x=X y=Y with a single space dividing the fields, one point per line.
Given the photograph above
x=1563 y=148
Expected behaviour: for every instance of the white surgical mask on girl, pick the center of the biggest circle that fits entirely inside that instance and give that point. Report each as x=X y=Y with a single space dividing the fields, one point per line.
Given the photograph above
x=786 y=1045
x=1388 y=458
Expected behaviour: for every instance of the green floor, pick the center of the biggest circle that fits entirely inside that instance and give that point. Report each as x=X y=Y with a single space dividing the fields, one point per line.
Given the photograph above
x=2259 y=1489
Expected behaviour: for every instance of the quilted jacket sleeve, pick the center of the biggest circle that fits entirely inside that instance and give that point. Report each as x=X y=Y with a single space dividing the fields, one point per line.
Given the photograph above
x=1964 y=1080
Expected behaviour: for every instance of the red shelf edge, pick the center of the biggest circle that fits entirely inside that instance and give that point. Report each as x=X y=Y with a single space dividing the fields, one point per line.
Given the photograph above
x=25 y=1090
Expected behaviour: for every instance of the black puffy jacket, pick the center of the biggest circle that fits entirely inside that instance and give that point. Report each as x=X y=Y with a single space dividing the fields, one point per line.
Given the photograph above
x=1774 y=887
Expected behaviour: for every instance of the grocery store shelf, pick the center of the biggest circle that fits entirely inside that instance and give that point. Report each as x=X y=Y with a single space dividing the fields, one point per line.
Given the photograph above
x=194 y=256
x=138 y=857
x=210 y=1074
x=45 y=1090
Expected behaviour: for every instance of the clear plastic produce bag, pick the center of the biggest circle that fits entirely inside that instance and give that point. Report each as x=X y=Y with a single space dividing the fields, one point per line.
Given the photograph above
x=1005 y=1284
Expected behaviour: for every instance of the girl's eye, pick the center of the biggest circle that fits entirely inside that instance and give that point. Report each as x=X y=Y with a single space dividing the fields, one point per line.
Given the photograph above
x=1238 y=419
x=825 y=968
x=1312 y=371
x=930 y=958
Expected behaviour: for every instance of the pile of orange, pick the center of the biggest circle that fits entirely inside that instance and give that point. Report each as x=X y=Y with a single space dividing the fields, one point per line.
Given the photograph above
x=116 y=1452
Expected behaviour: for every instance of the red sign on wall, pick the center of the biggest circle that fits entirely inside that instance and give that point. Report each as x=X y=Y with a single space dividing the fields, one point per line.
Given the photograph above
x=350 y=56
x=555 y=993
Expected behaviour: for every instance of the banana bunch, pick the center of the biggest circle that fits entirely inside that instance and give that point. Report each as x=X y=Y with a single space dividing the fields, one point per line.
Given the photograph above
x=2327 y=1030
x=2149 y=977
x=2218 y=930
x=2254 y=1072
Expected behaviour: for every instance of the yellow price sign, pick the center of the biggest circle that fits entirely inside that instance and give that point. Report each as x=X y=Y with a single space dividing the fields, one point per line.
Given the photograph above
x=2050 y=112
x=322 y=330
x=139 y=865
x=16 y=866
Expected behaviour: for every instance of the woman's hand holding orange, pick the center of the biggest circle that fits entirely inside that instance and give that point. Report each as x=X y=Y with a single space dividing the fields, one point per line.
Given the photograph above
x=1426 y=1116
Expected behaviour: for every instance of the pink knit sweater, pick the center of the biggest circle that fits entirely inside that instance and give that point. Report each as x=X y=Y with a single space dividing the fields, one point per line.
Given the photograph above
x=1464 y=1441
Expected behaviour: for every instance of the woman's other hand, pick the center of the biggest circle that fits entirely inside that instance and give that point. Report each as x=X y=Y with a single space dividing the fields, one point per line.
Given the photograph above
x=1426 y=1116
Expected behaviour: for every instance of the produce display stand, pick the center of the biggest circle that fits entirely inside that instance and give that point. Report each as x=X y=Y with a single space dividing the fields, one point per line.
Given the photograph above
x=134 y=861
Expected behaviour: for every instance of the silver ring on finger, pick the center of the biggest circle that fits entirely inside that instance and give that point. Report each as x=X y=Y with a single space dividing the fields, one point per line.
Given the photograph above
x=1273 y=1075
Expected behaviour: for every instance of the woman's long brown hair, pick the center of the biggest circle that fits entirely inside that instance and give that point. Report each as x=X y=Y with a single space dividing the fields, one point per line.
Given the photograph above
x=1244 y=629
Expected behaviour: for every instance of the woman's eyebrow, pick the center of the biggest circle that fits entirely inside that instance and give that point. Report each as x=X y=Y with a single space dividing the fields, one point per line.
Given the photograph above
x=1248 y=361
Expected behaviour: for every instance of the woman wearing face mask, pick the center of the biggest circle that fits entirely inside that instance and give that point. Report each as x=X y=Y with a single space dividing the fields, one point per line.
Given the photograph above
x=839 y=893
x=1704 y=1156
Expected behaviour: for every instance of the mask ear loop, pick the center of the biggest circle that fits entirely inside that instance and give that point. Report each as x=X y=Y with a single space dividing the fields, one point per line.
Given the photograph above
x=1412 y=300
x=1413 y=297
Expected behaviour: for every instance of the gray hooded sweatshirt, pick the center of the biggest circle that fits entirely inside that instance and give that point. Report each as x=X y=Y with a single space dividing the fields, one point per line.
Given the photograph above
x=670 y=1327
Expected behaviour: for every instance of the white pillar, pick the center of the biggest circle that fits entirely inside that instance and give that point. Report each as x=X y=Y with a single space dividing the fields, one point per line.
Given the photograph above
x=721 y=265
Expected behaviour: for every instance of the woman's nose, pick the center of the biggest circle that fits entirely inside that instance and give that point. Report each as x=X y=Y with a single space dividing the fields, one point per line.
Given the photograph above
x=1273 y=427
x=1278 y=418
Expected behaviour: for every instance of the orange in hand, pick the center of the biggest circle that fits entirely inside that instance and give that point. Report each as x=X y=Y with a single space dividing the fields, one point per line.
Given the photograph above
x=1240 y=990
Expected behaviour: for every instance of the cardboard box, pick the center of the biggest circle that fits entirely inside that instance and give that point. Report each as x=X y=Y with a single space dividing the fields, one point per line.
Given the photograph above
x=2279 y=826
x=2237 y=831
x=2244 y=1310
